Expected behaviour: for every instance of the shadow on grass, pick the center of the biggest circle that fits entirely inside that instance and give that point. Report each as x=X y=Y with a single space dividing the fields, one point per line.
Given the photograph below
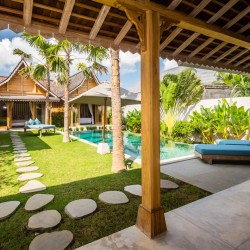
x=106 y=220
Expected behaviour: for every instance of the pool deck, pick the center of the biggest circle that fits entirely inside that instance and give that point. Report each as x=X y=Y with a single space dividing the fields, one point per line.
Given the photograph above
x=204 y=224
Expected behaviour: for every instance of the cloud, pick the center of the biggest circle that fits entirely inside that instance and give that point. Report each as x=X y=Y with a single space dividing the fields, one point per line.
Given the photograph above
x=169 y=64
x=136 y=88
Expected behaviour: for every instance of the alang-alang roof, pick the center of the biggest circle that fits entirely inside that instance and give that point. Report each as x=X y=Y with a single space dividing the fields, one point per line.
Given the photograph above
x=201 y=32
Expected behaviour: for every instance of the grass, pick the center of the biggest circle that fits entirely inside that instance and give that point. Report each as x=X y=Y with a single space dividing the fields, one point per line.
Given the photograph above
x=74 y=171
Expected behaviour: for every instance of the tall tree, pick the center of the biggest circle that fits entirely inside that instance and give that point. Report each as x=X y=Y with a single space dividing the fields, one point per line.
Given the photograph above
x=62 y=59
x=240 y=83
x=118 y=160
x=42 y=70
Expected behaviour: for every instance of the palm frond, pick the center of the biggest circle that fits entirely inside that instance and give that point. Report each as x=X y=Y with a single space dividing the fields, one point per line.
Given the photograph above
x=21 y=53
x=40 y=72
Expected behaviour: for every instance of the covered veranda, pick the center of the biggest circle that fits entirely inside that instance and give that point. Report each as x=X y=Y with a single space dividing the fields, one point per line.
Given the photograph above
x=203 y=33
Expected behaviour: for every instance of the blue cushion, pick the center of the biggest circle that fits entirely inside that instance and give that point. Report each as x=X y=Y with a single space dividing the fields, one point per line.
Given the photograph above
x=233 y=142
x=31 y=122
x=210 y=149
x=37 y=122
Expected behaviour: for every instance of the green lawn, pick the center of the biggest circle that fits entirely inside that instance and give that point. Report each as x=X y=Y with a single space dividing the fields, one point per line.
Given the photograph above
x=74 y=171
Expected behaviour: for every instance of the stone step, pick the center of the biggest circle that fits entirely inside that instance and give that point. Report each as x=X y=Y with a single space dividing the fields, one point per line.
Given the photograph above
x=27 y=169
x=32 y=186
x=113 y=197
x=8 y=208
x=20 y=159
x=38 y=201
x=24 y=163
x=29 y=176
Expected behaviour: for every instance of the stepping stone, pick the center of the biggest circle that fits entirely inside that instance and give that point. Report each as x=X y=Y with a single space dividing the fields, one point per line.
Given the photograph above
x=113 y=197
x=19 y=151
x=44 y=220
x=24 y=163
x=38 y=201
x=21 y=148
x=4 y=146
x=32 y=186
x=18 y=144
x=80 y=208
x=29 y=176
x=52 y=241
x=8 y=208
x=21 y=155
x=19 y=159
x=165 y=184
x=27 y=169
x=134 y=189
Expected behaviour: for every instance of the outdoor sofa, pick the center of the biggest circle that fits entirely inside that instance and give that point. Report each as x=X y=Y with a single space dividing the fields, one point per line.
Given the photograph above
x=36 y=124
x=235 y=150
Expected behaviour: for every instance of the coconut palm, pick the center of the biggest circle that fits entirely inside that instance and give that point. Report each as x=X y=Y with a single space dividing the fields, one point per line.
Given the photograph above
x=42 y=70
x=62 y=59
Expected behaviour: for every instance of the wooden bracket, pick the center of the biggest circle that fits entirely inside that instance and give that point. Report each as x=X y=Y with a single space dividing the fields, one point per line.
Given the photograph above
x=165 y=25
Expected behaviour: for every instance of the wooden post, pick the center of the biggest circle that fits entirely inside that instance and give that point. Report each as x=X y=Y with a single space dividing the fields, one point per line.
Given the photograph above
x=34 y=110
x=9 y=106
x=78 y=113
x=104 y=118
x=71 y=116
x=150 y=220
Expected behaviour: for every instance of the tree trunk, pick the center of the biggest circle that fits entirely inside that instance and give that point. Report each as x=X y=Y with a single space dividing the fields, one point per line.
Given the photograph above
x=66 y=99
x=47 y=110
x=118 y=160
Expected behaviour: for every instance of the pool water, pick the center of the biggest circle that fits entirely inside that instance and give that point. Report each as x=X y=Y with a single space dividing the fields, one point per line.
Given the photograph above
x=132 y=144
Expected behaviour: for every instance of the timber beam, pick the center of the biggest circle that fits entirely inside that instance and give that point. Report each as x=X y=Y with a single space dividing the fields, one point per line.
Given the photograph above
x=68 y=7
x=27 y=12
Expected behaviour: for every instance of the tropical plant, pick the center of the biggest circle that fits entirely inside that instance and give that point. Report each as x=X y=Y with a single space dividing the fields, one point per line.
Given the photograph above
x=240 y=83
x=40 y=71
x=184 y=88
x=221 y=122
x=134 y=121
x=182 y=132
x=61 y=57
x=57 y=119
x=163 y=130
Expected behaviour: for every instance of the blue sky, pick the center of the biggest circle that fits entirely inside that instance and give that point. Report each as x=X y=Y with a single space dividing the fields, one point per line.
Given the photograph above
x=129 y=63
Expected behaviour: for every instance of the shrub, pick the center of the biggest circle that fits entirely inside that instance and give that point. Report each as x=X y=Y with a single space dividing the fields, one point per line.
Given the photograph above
x=134 y=121
x=163 y=130
x=58 y=119
x=182 y=132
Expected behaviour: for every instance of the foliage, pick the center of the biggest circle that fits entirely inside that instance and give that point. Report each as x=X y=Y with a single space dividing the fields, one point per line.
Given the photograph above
x=109 y=116
x=163 y=130
x=184 y=88
x=57 y=119
x=221 y=122
x=183 y=132
x=134 y=121
x=240 y=83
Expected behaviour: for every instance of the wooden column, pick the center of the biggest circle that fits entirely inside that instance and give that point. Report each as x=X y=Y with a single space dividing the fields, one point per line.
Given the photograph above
x=9 y=106
x=34 y=114
x=150 y=218
x=71 y=122
x=78 y=114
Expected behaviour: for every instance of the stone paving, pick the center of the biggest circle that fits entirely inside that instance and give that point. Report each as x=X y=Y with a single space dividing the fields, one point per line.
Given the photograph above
x=113 y=197
x=38 y=201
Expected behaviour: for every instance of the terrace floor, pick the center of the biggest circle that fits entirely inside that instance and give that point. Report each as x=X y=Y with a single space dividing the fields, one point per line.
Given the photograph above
x=219 y=221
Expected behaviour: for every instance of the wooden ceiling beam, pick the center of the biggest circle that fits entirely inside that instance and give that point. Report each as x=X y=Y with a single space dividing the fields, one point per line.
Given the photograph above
x=67 y=10
x=242 y=61
x=246 y=66
x=99 y=21
x=27 y=12
x=213 y=51
x=226 y=53
x=237 y=56
x=174 y=4
x=125 y=29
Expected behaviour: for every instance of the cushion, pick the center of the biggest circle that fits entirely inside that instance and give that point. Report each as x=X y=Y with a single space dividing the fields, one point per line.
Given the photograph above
x=31 y=122
x=233 y=142
x=37 y=122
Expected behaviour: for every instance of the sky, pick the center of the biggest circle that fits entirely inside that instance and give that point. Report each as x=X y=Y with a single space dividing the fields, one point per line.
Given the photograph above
x=129 y=63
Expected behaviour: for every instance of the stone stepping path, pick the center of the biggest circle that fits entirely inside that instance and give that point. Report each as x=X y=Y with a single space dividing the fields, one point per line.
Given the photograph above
x=27 y=169
x=166 y=184
x=20 y=148
x=59 y=240
x=38 y=201
x=29 y=176
x=24 y=163
x=18 y=145
x=32 y=186
x=19 y=159
x=4 y=146
x=20 y=151
x=134 y=189
x=113 y=197
x=44 y=220
x=21 y=155
x=8 y=208
x=80 y=208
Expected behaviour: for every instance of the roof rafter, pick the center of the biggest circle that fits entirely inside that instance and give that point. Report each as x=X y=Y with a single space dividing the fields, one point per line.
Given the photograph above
x=242 y=60
x=226 y=53
x=67 y=10
x=27 y=12
x=125 y=29
x=217 y=48
x=237 y=56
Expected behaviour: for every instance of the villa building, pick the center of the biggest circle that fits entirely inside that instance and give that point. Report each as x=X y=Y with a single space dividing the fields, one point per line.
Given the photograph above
x=23 y=98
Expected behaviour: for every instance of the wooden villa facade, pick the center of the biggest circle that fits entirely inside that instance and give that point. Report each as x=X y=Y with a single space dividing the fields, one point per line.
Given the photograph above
x=22 y=98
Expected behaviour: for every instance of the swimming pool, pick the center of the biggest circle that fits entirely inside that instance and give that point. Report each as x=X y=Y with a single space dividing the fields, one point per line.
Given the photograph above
x=132 y=144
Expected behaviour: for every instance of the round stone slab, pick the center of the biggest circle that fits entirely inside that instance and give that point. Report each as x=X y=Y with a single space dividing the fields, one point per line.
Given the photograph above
x=38 y=201
x=4 y=146
x=29 y=176
x=80 y=208
x=19 y=159
x=165 y=184
x=32 y=186
x=44 y=220
x=19 y=151
x=52 y=241
x=27 y=169
x=134 y=189
x=21 y=155
x=20 y=148
x=8 y=208
x=113 y=197
x=24 y=163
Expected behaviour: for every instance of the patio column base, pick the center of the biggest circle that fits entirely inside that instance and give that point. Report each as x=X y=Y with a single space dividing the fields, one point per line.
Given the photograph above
x=151 y=223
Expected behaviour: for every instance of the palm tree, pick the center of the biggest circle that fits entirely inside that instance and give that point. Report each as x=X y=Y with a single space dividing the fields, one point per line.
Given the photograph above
x=42 y=70
x=61 y=64
x=118 y=160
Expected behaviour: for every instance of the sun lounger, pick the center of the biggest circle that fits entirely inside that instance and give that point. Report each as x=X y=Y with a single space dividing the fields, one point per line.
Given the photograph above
x=233 y=142
x=39 y=127
x=211 y=152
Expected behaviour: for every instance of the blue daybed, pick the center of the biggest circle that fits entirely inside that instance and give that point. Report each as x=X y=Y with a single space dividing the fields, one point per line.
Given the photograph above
x=240 y=151
x=36 y=124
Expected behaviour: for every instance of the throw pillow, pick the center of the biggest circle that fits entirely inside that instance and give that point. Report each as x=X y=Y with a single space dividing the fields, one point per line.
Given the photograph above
x=37 y=122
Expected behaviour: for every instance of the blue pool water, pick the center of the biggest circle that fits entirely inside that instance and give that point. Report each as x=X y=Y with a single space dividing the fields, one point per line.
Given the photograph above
x=132 y=144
